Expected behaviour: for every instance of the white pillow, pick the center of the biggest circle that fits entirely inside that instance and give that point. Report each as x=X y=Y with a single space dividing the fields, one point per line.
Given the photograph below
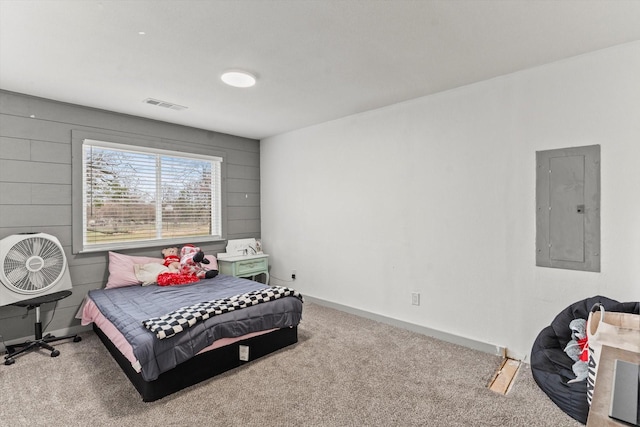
x=121 y=271
x=148 y=273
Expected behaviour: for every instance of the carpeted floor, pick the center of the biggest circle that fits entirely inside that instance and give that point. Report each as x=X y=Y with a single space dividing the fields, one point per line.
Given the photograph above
x=344 y=371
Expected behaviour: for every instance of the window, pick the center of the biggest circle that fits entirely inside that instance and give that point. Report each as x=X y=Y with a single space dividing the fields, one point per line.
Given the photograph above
x=137 y=196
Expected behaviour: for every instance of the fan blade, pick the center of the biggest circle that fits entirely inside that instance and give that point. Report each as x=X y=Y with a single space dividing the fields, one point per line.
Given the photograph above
x=36 y=246
x=17 y=274
x=49 y=250
x=51 y=262
x=37 y=280
x=16 y=255
x=49 y=275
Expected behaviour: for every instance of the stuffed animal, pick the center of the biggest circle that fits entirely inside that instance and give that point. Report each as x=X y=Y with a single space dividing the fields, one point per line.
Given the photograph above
x=171 y=259
x=577 y=349
x=191 y=260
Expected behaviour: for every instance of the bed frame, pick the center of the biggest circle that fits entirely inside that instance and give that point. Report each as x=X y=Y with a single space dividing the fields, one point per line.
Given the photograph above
x=202 y=366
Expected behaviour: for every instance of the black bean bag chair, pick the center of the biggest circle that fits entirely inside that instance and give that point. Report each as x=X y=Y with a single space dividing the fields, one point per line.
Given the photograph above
x=550 y=365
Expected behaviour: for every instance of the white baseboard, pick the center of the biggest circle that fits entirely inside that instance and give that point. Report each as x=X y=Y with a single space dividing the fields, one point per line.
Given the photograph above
x=444 y=336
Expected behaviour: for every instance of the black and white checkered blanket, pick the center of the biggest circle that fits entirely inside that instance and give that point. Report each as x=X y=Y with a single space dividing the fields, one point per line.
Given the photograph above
x=177 y=321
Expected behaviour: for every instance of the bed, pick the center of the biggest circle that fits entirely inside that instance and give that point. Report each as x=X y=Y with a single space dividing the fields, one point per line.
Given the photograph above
x=160 y=363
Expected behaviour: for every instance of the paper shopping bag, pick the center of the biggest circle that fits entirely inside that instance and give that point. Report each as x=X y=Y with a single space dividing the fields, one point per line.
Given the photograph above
x=613 y=329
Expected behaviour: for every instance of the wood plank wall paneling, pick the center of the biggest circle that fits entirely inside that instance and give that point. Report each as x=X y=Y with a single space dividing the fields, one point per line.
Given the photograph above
x=36 y=186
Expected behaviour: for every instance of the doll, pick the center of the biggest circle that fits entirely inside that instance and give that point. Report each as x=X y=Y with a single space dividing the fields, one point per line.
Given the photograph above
x=171 y=259
x=191 y=260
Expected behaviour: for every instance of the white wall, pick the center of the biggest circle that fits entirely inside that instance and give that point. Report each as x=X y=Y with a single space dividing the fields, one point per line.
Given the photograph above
x=437 y=195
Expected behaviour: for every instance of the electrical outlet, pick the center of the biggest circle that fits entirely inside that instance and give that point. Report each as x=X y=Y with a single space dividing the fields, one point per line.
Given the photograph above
x=293 y=275
x=415 y=298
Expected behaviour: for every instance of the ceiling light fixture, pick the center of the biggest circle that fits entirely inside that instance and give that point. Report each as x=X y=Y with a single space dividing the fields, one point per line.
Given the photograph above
x=238 y=78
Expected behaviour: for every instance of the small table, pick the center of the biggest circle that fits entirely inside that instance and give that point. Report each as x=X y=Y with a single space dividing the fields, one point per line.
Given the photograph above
x=599 y=412
x=245 y=266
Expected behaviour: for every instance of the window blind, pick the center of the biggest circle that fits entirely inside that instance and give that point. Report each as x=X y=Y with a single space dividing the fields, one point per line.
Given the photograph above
x=134 y=194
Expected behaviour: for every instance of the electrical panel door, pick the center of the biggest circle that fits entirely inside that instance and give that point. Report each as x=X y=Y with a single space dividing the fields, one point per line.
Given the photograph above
x=568 y=208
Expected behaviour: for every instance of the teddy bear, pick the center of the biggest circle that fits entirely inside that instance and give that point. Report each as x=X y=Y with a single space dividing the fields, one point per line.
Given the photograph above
x=191 y=260
x=171 y=259
x=577 y=350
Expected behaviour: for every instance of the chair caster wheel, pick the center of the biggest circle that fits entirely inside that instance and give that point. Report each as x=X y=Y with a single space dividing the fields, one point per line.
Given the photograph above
x=55 y=353
x=77 y=339
x=9 y=362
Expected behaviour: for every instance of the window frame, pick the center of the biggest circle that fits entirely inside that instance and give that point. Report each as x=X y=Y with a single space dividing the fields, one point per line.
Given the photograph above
x=147 y=146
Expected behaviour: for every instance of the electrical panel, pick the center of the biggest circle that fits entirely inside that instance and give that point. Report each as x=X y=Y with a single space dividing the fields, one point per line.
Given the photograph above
x=568 y=208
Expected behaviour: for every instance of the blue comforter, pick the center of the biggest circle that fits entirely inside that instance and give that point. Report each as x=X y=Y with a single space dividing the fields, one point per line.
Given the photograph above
x=127 y=307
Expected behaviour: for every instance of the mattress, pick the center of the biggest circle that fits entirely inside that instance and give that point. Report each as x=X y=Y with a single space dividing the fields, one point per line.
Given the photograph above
x=119 y=313
x=91 y=314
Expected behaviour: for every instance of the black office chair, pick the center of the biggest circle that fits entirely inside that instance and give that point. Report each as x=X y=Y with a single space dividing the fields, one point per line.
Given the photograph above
x=40 y=341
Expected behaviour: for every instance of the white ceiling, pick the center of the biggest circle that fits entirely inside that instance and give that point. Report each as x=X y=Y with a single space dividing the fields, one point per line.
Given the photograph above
x=315 y=60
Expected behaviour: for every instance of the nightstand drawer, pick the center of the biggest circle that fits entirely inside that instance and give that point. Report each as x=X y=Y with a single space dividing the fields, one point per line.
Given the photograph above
x=251 y=266
x=245 y=266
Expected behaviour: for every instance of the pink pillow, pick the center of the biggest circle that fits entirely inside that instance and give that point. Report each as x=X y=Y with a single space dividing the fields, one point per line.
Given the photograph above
x=121 y=270
x=213 y=263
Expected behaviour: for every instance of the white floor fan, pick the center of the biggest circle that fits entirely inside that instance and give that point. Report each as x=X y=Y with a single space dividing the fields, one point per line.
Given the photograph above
x=33 y=271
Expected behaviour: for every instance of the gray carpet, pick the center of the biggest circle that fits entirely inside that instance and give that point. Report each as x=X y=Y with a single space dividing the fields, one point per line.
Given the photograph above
x=344 y=371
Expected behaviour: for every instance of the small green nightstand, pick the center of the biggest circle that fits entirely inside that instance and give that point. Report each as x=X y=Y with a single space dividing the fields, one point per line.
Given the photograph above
x=245 y=266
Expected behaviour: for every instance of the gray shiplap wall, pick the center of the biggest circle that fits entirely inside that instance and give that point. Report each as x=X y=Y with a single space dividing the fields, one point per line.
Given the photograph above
x=36 y=187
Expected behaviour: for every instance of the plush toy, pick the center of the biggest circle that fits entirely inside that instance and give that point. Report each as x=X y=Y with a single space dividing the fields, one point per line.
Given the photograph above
x=171 y=259
x=577 y=349
x=175 y=278
x=191 y=260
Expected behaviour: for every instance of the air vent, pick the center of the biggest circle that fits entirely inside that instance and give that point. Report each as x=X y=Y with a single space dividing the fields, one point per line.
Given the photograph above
x=164 y=104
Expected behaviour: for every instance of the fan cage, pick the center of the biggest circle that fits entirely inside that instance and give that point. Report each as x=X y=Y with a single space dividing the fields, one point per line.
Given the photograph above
x=33 y=265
